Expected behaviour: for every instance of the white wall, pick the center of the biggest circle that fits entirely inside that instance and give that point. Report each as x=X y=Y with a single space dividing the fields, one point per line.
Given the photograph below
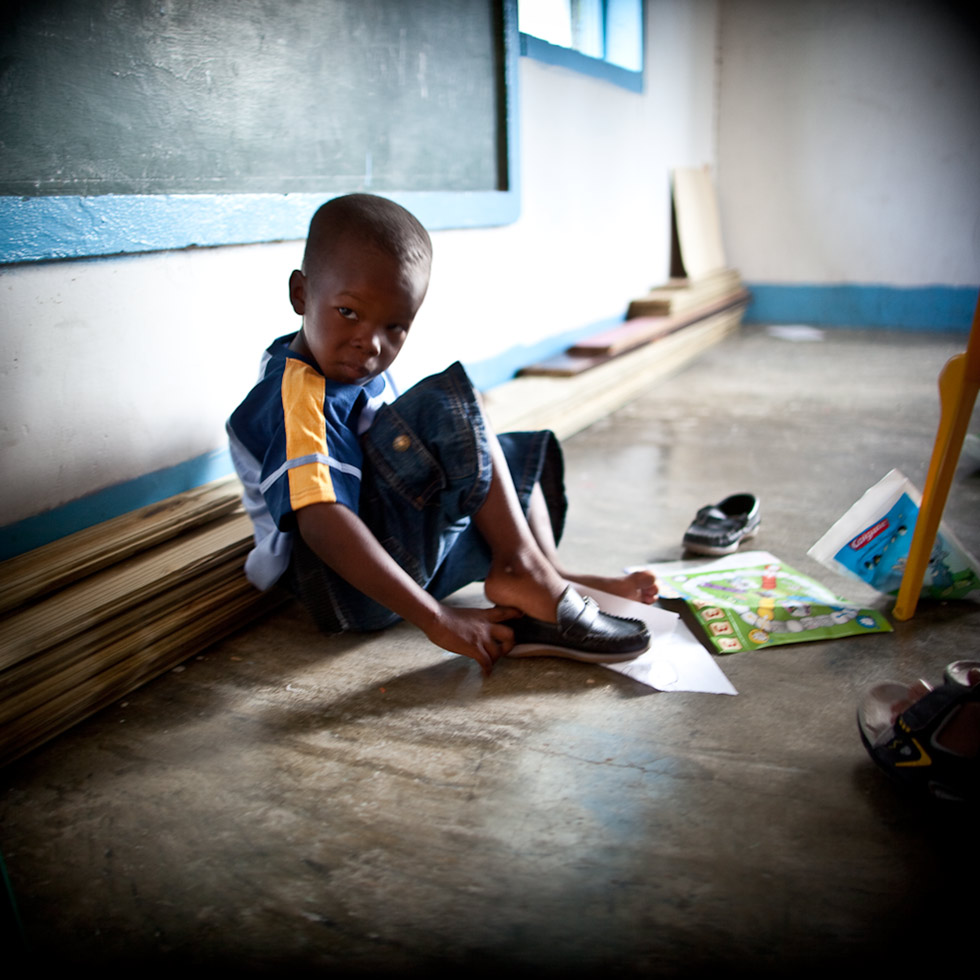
x=113 y=368
x=849 y=141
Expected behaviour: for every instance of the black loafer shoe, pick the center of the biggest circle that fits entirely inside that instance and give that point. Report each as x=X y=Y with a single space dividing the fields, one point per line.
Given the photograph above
x=720 y=529
x=583 y=632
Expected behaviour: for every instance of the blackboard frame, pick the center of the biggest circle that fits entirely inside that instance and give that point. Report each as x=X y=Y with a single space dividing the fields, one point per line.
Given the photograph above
x=47 y=228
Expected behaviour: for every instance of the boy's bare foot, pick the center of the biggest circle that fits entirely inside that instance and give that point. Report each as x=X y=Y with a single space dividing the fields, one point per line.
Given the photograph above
x=640 y=586
x=533 y=590
x=537 y=594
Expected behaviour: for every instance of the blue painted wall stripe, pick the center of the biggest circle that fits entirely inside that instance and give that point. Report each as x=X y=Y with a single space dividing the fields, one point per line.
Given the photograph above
x=855 y=305
x=33 y=532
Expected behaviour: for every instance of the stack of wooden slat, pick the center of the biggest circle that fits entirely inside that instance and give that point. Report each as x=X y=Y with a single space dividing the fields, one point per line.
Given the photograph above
x=679 y=296
x=701 y=289
x=638 y=331
x=86 y=619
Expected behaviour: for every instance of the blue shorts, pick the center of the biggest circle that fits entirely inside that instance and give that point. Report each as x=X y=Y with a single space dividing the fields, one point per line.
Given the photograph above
x=426 y=472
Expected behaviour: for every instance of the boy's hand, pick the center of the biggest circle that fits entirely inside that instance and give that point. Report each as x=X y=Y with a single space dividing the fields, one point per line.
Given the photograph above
x=346 y=544
x=474 y=633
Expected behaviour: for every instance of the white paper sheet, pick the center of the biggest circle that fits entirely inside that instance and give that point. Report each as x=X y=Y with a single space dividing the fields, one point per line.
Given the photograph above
x=736 y=560
x=796 y=332
x=677 y=662
x=674 y=659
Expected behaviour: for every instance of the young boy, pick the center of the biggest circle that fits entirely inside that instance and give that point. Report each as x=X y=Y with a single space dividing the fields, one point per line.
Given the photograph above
x=369 y=510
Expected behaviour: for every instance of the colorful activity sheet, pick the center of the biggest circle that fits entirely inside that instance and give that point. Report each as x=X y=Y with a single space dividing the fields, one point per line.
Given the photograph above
x=751 y=600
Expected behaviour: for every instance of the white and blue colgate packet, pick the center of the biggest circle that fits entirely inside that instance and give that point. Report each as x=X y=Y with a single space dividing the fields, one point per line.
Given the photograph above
x=872 y=540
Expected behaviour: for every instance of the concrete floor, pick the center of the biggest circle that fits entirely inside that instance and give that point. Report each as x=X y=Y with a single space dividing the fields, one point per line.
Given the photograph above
x=293 y=804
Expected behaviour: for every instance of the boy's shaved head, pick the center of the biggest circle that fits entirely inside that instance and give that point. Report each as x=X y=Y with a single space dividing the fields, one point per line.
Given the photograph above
x=367 y=220
x=365 y=274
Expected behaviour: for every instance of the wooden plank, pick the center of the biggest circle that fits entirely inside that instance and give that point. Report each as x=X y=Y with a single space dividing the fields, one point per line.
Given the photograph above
x=631 y=334
x=90 y=651
x=634 y=333
x=163 y=653
x=698 y=221
x=55 y=565
x=565 y=365
x=678 y=295
x=81 y=606
x=621 y=340
x=215 y=608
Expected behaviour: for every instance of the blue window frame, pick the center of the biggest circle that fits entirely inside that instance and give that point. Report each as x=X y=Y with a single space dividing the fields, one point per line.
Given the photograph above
x=601 y=38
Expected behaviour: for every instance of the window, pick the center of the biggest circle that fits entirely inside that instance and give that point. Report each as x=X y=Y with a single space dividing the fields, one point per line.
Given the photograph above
x=599 y=37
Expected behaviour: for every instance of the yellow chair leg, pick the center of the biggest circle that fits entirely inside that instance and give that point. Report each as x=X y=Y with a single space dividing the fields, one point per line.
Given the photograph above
x=959 y=383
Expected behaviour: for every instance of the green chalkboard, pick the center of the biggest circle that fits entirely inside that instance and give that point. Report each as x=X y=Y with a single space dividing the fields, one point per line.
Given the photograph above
x=152 y=97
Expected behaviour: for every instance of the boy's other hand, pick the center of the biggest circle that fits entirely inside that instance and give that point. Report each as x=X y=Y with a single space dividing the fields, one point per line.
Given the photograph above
x=475 y=633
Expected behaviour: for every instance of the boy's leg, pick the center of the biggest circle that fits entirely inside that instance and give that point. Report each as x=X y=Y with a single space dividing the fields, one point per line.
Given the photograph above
x=640 y=586
x=523 y=577
x=520 y=574
x=536 y=468
x=534 y=463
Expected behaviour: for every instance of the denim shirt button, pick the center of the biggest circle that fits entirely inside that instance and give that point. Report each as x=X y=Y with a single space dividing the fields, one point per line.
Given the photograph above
x=401 y=443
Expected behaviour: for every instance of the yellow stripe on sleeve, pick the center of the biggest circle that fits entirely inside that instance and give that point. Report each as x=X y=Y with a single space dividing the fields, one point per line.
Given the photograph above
x=302 y=404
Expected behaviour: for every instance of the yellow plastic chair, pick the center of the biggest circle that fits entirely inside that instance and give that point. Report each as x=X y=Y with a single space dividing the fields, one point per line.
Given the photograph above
x=959 y=382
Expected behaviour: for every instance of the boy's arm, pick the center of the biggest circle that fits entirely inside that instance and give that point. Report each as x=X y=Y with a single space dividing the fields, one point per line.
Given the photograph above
x=342 y=540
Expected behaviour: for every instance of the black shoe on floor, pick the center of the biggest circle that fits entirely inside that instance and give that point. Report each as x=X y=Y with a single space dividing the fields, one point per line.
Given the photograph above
x=583 y=632
x=719 y=529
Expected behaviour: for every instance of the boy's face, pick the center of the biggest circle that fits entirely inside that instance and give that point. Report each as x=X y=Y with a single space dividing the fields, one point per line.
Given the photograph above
x=357 y=305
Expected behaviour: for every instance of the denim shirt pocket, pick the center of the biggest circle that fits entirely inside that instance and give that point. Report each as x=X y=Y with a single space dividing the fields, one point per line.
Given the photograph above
x=398 y=458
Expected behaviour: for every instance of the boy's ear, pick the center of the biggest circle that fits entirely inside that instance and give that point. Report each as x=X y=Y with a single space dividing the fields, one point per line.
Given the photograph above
x=297 y=292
